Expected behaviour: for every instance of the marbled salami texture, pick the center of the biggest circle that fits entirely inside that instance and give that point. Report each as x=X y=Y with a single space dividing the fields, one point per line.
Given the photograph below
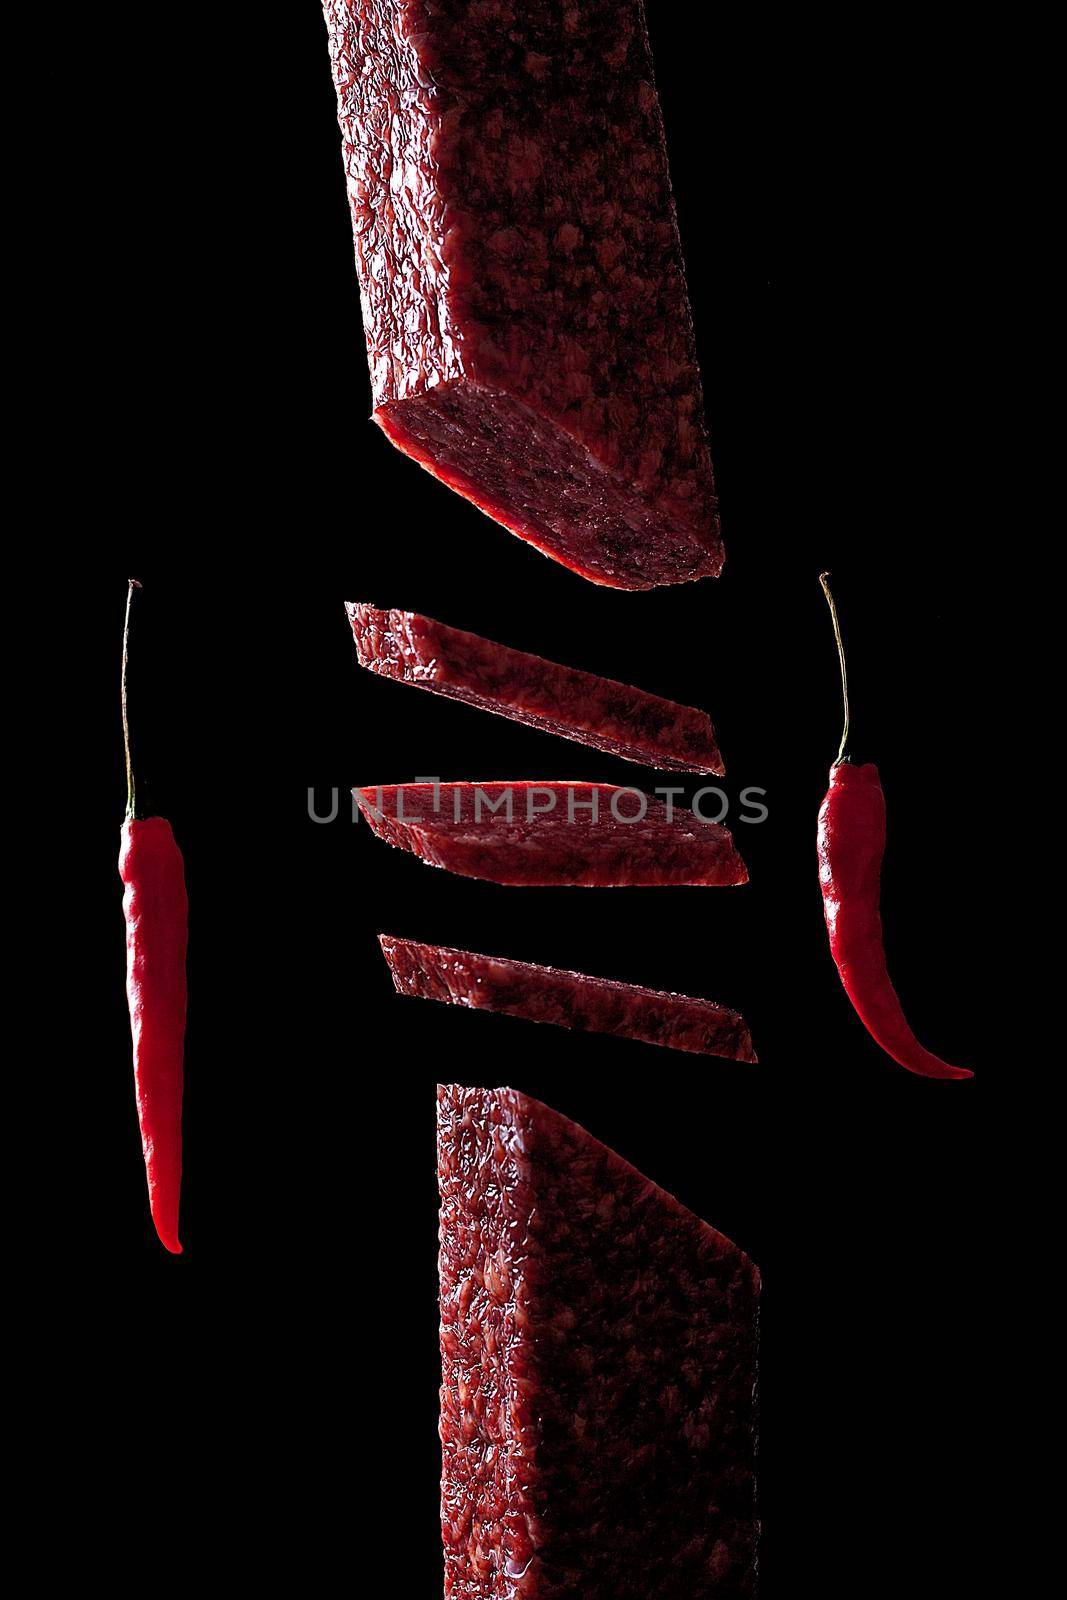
x=576 y=705
x=568 y=999
x=564 y=834
x=598 y=1353
x=524 y=301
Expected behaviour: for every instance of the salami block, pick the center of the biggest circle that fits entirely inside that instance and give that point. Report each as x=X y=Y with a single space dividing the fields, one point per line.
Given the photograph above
x=575 y=705
x=524 y=302
x=568 y=999
x=583 y=835
x=599 y=1351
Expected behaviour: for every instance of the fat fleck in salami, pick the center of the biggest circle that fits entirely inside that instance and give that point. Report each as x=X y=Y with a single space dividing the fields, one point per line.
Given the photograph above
x=524 y=303
x=587 y=835
x=568 y=999
x=575 y=705
x=599 y=1361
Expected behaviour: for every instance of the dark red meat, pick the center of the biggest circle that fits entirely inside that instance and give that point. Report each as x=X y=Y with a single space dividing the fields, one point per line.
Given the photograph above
x=546 y=833
x=598 y=1355
x=524 y=302
x=568 y=999
x=576 y=705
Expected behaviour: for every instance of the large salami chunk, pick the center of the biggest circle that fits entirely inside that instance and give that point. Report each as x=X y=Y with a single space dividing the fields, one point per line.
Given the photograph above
x=521 y=277
x=584 y=835
x=568 y=999
x=598 y=1356
x=576 y=705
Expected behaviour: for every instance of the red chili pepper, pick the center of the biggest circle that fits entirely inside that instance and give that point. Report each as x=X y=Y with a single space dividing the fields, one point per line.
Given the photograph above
x=157 y=922
x=851 y=847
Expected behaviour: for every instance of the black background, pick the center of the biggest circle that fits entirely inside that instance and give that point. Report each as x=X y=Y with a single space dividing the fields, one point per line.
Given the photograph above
x=834 y=233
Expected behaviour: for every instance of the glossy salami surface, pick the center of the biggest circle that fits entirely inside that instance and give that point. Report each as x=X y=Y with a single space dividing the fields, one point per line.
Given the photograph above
x=598 y=1353
x=568 y=999
x=582 y=706
x=584 y=835
x=524 y=301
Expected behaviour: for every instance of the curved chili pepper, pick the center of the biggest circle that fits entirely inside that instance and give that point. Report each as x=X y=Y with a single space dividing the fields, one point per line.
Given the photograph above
x=156 y=909
x=851 y=847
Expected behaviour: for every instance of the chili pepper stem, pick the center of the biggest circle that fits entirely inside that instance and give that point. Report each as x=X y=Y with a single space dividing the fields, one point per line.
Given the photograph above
x=841 y=659
x=131 y=792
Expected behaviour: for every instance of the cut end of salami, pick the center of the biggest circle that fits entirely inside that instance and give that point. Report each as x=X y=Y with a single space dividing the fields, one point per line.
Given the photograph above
x=582 y=706
x=550 y=488
x=552 y=834
x=567 y=999
x=599 y=1348
x=524 y=301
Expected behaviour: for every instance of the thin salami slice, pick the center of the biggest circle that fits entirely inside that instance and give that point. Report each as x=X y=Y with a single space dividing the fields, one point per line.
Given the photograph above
x=585 y=835
x=524 y=301
x=598 y=1364
x=511 y=683
x=568 y=999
